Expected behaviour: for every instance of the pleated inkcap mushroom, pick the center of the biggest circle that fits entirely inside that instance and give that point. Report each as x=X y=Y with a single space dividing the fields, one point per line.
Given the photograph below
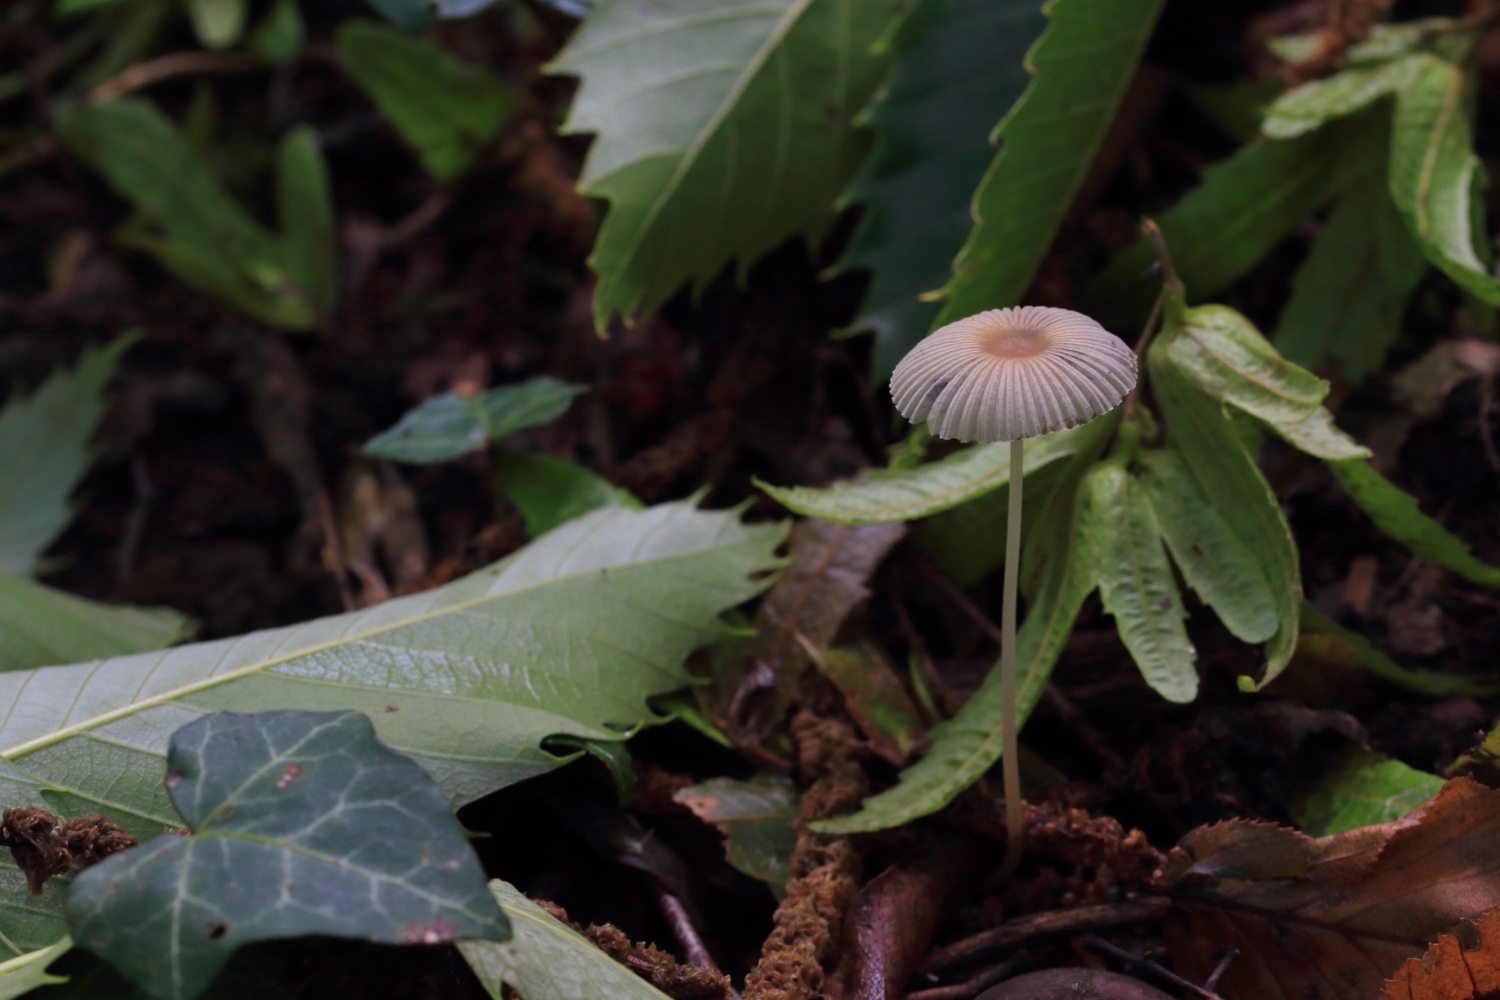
x=1009 y=374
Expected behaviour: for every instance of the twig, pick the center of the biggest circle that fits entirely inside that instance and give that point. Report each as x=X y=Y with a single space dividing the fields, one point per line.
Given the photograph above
x=1099 y=944
x=145 y=74
x=1212 y=982
x=977 y=984
x=677 y=915
x=1022 y=929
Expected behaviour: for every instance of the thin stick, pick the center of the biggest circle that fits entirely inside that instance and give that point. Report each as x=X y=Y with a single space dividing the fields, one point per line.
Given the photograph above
x=1011 y=760
x=1097 y=943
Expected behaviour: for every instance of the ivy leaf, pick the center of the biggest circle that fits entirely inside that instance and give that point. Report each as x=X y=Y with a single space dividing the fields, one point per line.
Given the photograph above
x=966 y=746
x=957 y=62
x=1395 y=512
x=907 y=494
x=1082 y=65
x=550 y=491
x=40 y=625
x=453 y=424
x=569 y=636
x=1222 y=353
x=1227 y=475
x=1317 y=102
x=302 y=823
x=44 y=450
x=445 y=109
x=1135 y=580
x=1348 y=297
x=1434 y=170
x=722 y=127
x=1361 y=788
x=1221 y=568
x=548 y=960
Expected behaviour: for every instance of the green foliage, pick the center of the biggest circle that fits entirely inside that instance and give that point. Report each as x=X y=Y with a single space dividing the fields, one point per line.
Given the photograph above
x=453 y=424
x=25 y=973
x=218 y=23
x=446 y=110
x=957 y=62
x=281 y=34
x=755 y=816
x=549 y=491
x=1082 y=65
x=207 y=238
x=44 y=450
x=568 y=636
x=40 y=626
x=1222 y=353
x=301 y=823
x=1361 y=788
x=1351 y=649
x=721 y=128
x=548 y=960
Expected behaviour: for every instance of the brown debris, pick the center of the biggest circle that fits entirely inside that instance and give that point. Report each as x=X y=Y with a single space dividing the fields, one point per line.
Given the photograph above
x=42 y=848
x=1348 y=23
x=678 y=981
x=1073 y=838
x=1464 y=962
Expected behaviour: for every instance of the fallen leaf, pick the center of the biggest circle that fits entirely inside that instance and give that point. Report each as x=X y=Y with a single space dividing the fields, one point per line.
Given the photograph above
x=1330 y=918
x=875 y=698
x=755 y=817
x=1462 y=963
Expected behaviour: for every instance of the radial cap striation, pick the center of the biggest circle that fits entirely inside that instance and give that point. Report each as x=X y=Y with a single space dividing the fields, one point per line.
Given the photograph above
x=1008 y=374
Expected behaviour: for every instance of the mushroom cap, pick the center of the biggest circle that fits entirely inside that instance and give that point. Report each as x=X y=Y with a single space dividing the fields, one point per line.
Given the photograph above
x=1008 y=374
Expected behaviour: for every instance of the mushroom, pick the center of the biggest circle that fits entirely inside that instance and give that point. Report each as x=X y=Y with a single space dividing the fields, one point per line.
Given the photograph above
x=1008 y=375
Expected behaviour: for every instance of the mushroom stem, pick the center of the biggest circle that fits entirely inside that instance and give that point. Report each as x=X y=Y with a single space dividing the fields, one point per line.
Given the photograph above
x=1011 y=757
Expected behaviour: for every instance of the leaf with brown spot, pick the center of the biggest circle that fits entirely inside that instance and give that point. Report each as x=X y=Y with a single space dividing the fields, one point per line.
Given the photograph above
x=1331 y=918
x=875 y=698
x=1462 y=963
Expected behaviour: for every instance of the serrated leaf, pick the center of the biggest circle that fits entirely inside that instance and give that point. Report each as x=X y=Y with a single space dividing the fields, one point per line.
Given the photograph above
x=721 y=128
x=40 y=626
x=445 y=109
x=24 y=973
x=1222 y=353
x=957 y=63
x=1317 y=102
x=1082 y=65
x=548 y=960
x=888 y=496
x=549 y=491
x=1434 y=170
x=1135 y=580
x=1320 y=437
x=1229 y=478
x=44 y=452
x=302 y=823
x=1244 y=207
x=755 y=816
x=1361 y=788
x=452 y=424
x=966 y=746
x=568 y=636
x=1349 y=294
x=1222 y=569
x=1395 y=512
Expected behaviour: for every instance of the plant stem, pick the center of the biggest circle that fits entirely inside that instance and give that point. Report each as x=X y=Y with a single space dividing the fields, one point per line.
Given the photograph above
x=1011 y=756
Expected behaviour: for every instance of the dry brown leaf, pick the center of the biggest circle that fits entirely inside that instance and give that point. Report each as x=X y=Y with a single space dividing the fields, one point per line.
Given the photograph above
x=1462 y=964
x=1331 y=919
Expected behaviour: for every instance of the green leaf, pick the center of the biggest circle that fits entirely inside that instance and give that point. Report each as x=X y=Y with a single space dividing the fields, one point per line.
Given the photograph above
x=305 y=212
x=907 y=494
x=548 y=960
x=24 y=973
x=1227 y=475
x=44 y=450
x=210 y=241
x=1244 y=207
x=550 y=491
x=1348 y=297
x=453 y=424
x=1434 y=170
x=1135 y=580
x=1395 y=512
x=217 y=23
x=1223 y=570
x=755 y=817
x=1361 y=788
x=40 y=626
x=445 y=109
x=1082 y=65
x=957 y=62
x=1317 y=102
x=569 y=636
x=408 y=15
x=874 y=696
x=1222 y=353
x=966 y=746
x=281 y=34
x=722 y=127
x=302 y=823
x=1320 y=437
x=1325 y=641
